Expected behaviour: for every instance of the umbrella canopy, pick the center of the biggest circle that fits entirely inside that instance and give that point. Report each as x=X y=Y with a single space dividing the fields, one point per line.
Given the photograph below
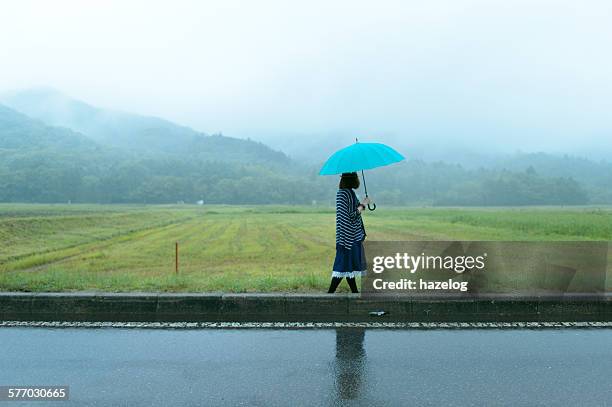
x=360 y=156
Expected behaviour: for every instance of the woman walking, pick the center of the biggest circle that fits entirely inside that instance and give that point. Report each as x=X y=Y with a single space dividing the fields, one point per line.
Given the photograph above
x=350 y=233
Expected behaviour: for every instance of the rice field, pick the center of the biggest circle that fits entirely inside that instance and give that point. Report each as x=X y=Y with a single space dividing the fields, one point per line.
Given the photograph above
x=235 y=248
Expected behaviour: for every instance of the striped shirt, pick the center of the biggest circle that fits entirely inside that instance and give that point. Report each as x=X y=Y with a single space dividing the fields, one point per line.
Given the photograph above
x=349 y=225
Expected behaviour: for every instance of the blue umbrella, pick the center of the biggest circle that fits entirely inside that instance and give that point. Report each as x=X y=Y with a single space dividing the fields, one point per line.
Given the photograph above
x=359 y=157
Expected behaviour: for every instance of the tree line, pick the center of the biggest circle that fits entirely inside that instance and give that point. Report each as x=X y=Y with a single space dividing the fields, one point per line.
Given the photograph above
x=56 y=176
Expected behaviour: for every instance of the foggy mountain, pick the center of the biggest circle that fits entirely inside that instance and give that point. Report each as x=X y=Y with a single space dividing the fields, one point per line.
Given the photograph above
x=20 y=132
x=43 y=163
x=50 y=157
x=314 y=148
x=135 y=133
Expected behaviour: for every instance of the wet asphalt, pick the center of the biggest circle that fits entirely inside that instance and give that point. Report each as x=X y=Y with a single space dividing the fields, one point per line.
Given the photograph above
x=311 y=367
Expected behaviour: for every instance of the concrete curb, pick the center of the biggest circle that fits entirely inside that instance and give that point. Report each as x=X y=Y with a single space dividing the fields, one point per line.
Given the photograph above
x=221 y=307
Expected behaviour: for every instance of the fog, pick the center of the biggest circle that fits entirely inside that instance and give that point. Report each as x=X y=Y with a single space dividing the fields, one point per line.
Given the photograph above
x=482 y=76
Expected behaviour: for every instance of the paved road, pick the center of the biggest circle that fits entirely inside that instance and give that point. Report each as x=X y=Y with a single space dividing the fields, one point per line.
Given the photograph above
x=133 y=367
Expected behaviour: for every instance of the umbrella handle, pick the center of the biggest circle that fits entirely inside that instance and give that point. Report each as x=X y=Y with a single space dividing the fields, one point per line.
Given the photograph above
x=366 y=191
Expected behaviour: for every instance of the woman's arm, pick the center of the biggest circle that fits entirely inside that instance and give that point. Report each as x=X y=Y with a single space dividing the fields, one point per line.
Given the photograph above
x=362 y=205
x=345 y=205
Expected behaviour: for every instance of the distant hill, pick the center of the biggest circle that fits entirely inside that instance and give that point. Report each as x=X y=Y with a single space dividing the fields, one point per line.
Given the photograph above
x=43 y=163
x=20 y=132
x=132 y=132
x=598 y=173
x=56 y=149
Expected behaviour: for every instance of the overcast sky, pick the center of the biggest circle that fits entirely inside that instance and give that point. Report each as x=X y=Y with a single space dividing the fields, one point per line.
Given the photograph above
x=501 y=73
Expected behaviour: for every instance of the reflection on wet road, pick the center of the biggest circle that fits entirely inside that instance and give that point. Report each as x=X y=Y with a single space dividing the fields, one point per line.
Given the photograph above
x=349 y=364
x=346 y=366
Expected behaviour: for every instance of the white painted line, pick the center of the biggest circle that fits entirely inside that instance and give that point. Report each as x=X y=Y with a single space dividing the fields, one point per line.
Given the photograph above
x=306 y=325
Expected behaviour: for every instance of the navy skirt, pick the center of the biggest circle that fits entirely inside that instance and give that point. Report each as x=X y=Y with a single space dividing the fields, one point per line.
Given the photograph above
x=349 y=263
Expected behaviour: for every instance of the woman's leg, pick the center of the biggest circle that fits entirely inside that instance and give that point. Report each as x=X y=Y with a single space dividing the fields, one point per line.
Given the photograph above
x=351 y=282
x=335 y=281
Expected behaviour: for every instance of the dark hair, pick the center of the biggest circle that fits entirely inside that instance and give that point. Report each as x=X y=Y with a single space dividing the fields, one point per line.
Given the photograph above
x=349 y=180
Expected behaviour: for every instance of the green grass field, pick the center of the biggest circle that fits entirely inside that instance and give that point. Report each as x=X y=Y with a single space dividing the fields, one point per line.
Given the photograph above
x=235 y=248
